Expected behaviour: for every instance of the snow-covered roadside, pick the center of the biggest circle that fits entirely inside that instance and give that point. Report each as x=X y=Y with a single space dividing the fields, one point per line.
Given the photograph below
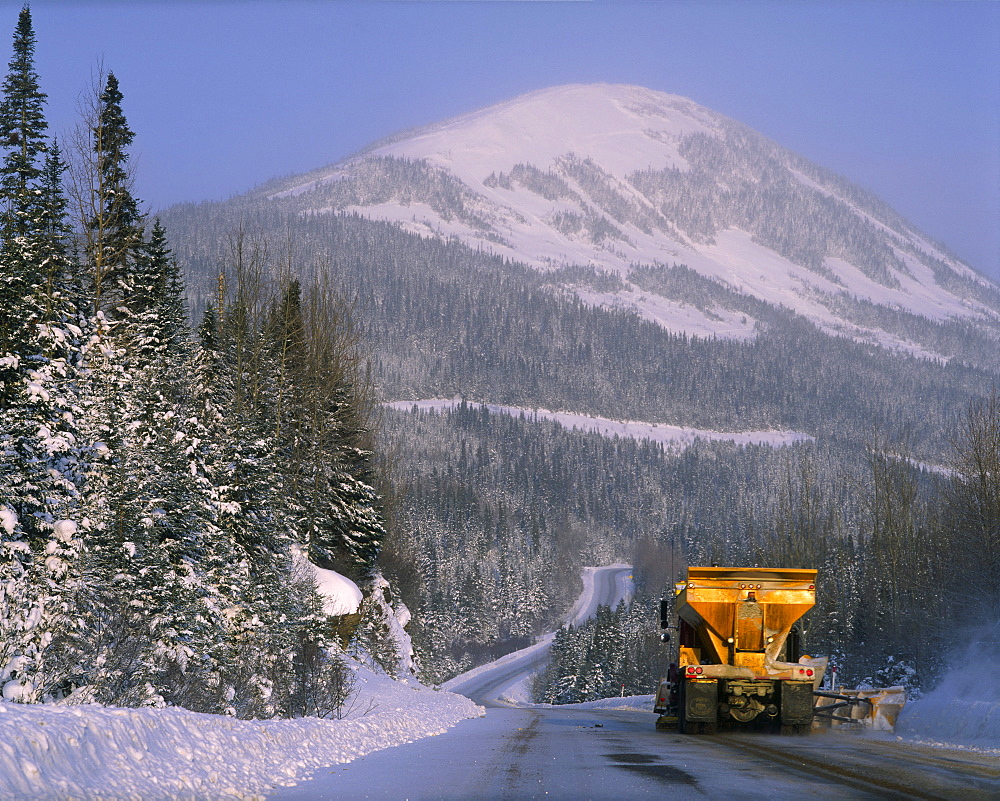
x=91 y=752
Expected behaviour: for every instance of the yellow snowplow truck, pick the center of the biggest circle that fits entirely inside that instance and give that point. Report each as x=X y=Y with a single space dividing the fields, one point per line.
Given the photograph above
x=738 y=660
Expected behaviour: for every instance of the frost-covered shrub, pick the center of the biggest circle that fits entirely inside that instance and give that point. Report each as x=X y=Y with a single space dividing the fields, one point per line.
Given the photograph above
x=895 y=673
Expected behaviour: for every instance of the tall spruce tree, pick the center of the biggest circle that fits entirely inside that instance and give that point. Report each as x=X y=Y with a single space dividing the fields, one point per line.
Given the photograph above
x=39 y=345
x=22 y=133
x=114 y=227
x=320 y=430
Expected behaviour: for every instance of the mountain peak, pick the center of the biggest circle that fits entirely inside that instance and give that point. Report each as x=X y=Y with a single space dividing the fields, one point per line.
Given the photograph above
x=698 y=218
x=624 y=128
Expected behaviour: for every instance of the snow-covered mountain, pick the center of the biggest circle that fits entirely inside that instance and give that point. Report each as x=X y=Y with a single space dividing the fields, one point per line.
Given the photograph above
x=644 y=200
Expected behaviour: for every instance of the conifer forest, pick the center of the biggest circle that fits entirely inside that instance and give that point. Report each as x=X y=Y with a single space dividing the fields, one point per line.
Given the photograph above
x=195 y=416
x=163 y=489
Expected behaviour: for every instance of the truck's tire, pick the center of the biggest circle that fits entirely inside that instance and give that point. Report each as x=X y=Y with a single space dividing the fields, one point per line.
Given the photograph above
x=796 y=729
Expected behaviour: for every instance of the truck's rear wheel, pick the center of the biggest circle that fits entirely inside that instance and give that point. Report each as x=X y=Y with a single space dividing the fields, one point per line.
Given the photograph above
x=690 y=727
x=795 y=728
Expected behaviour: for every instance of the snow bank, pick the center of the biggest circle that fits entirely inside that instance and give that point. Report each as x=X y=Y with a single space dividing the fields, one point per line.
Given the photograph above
x=630 y=703
x=341 y=596
x=101 y=752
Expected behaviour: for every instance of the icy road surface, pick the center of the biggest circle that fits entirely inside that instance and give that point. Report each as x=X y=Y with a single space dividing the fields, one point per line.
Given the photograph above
x=579 y=753
x=594 y=751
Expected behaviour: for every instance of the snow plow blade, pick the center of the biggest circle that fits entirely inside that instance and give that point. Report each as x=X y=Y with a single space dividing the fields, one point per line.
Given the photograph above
x=875 y=709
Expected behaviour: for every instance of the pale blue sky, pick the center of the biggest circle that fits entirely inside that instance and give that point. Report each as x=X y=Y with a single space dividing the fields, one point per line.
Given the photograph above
x=901 y=96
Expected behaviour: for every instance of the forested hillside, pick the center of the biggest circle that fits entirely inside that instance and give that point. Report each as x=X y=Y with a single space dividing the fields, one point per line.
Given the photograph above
x=498 y=514
x=168 y=498
x=443 y=320
x=617 y=252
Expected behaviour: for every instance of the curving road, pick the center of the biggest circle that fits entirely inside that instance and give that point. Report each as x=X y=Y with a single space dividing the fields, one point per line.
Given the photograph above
x=494 y=684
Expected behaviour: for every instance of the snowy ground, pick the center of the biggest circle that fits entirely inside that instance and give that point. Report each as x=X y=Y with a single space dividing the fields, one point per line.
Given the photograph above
x=53 y=752
x=673 y=437
x=963 y=711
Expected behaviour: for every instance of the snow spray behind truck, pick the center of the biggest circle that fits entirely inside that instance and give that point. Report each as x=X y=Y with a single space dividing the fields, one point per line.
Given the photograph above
x=739 y=660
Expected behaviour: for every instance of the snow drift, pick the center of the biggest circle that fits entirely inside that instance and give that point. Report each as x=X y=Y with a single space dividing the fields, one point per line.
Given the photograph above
x=92 y=751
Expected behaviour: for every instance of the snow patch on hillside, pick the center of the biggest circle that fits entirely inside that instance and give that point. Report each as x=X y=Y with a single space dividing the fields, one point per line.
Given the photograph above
x=676 y=316
x=422 y=220
x=91 y=751
x=672 y=437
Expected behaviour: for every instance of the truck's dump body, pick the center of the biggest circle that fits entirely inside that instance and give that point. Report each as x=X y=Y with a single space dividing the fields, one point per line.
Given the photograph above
x=743 y=618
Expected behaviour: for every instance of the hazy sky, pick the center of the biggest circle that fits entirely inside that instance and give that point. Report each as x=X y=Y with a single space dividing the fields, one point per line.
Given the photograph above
x=901 y=97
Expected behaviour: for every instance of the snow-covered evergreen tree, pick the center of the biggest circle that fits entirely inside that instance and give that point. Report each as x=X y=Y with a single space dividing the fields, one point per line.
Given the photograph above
x=113 y=221
x=157 y=493
x=40 y=340
x=318 y=423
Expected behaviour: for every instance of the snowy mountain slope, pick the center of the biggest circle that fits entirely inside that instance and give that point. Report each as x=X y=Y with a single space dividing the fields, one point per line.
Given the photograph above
x=610 y=177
